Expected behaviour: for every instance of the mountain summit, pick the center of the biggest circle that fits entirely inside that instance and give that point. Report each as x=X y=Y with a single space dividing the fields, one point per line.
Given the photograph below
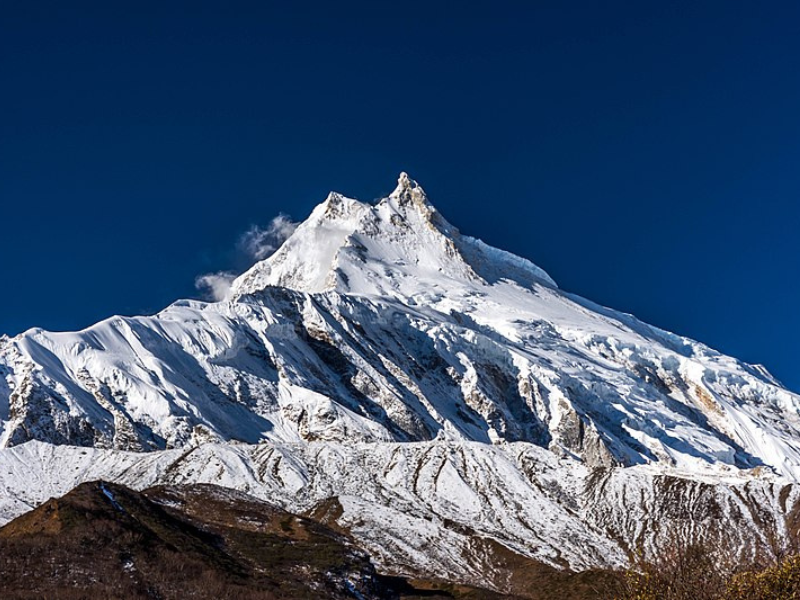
x=422 y=377
x=400 y=247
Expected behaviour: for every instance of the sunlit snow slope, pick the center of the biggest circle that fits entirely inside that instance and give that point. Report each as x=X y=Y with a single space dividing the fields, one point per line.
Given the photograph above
x=382 y=323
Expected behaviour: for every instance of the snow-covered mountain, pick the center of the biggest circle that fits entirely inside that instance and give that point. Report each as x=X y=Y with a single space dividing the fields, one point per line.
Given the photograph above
x=453 y=387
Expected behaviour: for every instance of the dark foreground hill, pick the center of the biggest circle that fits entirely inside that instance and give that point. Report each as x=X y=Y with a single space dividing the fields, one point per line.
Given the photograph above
x=103 y=540
x=107 y=541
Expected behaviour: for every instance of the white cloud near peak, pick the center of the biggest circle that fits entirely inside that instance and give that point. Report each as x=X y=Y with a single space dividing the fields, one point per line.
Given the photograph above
x=215 y=286
x=258 y=243
x=255 y=244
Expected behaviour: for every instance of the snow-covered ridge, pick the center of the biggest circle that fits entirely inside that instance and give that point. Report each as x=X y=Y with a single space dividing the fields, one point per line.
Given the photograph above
x=394 y=248
x=383 y=323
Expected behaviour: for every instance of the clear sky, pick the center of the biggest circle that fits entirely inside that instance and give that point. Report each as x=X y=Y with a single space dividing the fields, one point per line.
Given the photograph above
x=646 y=154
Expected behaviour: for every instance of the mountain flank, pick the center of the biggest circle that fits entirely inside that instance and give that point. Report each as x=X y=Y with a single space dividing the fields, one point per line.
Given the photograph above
x=442 y=404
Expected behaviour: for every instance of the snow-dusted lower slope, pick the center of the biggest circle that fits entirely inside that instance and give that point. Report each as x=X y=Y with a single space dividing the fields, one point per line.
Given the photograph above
x=379 y=326
x=430 y=508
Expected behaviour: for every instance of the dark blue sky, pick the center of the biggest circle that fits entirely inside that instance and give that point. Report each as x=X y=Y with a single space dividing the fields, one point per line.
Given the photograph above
x=646 y=154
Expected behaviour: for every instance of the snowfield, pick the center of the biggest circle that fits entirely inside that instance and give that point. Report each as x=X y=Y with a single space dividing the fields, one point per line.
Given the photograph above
x=442 y=391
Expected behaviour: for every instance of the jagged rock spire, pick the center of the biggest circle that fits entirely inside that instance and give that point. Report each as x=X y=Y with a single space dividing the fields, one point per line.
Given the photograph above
x=408 y=190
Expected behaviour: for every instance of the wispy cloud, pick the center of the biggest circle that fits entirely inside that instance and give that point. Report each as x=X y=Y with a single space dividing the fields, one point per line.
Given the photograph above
x=255 y=244
x=258 y=243
x=215 y=286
